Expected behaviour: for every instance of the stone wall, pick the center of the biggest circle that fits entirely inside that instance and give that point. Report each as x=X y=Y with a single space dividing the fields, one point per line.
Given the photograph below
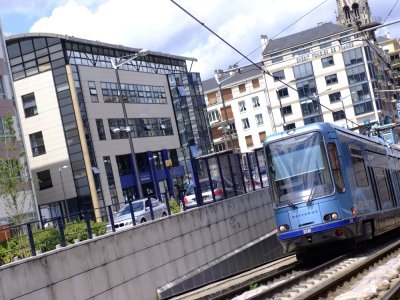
x=134 y=263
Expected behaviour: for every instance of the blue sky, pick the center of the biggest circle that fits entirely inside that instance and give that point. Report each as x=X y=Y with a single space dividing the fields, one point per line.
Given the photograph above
x=159 y=25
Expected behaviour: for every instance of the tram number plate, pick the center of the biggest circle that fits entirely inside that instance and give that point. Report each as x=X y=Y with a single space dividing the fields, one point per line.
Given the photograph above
x=305 y=231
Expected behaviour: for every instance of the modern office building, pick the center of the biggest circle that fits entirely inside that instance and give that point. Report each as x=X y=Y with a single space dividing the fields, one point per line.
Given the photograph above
x=74 y=122
x=25 y=203
x=328 y=73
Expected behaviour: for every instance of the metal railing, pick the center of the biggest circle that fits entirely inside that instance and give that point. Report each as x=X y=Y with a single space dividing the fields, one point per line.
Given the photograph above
x=230 y=174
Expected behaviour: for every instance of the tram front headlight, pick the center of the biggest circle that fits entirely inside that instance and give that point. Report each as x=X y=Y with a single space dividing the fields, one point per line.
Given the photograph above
x=331 y=217
x=283 y=228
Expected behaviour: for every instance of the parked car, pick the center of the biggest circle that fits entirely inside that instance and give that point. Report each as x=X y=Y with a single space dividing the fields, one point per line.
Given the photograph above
x=141 y=208
x=257 y=183
x=206 y=193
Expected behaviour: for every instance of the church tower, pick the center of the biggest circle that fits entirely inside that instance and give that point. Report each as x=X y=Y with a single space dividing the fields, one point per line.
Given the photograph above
x=353 y=13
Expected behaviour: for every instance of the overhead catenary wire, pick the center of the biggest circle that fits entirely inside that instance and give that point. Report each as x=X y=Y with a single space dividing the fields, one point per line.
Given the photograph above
x=391 y=10
x=286 y=28
x=248 y=59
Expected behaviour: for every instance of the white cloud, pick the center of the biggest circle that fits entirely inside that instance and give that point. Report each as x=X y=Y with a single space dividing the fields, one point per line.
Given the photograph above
x=159 y=25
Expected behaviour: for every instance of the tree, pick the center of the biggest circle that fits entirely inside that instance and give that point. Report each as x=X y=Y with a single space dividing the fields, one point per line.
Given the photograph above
x=14 y=180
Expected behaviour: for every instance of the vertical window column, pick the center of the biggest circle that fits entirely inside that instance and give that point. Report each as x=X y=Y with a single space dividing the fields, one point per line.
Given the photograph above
x=2 y=91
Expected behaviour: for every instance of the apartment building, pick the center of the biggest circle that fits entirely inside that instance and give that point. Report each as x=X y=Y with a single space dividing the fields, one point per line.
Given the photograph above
x=328 y=73
x=237 y=111
x=392 y=47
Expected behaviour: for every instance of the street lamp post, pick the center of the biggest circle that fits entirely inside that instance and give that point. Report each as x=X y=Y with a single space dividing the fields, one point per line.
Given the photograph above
x=218 y=78
x=63 y=190
x=116 y=66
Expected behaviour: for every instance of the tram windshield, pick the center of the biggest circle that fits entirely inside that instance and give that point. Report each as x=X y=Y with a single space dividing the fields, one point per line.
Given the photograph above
x=299 y=169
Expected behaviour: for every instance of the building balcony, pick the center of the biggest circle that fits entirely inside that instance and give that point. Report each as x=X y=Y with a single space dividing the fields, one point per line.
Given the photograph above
x=395 y=62
x=224 y=137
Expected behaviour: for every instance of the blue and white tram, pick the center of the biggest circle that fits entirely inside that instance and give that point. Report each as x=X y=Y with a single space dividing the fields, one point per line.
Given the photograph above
x=330 y=184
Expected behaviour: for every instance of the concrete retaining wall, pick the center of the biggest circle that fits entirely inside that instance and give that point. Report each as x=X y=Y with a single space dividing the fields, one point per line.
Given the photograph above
x=132 y=264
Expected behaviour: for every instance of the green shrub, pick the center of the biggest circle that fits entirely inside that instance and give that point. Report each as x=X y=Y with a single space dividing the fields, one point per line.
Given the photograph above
x=17 y=246
x=47 y=239
x=99 y=228
x=78 y=230
x=75 y=230
x=175 y=208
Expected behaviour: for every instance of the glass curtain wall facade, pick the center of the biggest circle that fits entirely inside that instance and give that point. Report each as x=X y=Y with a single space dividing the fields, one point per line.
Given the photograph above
x=358 y=81
x=190 y=113
x=306 y=87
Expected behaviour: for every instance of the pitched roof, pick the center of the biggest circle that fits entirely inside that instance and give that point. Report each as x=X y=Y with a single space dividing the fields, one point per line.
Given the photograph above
x=323 y=31
x=246 y=72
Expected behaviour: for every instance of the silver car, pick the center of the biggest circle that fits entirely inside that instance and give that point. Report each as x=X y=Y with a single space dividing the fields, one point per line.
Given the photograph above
x=141 y=208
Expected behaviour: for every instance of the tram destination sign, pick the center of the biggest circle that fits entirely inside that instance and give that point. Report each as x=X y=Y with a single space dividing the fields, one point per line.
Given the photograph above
x=323 y=52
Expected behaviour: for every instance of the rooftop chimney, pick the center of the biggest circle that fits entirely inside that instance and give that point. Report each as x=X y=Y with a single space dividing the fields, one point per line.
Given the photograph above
x=264 y=41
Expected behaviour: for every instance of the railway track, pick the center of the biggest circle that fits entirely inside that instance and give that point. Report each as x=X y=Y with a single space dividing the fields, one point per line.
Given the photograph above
x=366 y=275
x=340 y=278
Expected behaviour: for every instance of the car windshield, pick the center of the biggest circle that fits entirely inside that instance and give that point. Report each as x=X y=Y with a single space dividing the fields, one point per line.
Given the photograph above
x=299 y=169
x=137 y=206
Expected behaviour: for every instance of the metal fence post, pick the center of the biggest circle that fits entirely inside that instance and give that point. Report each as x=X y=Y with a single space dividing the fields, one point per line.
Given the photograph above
x=167 y=204
x=241 y=172
x=232 y=175
x=210 y=179
x=151 y=209
x=250 y=169
x=195 y=177
x=221 y=175
x=132 y=212
x=31 y=240
x=88 y=227
x=61 y=230
x=258 y=168
x=110 y=215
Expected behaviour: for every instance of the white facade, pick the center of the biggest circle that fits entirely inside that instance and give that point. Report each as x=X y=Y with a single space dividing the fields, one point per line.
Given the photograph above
x=323 y=89
x=47 y=121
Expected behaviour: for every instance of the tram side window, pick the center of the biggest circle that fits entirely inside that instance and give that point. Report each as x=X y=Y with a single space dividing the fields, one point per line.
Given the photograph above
x=383 y=190
x=398 y=177
x=335 y=166
x=358 y=166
